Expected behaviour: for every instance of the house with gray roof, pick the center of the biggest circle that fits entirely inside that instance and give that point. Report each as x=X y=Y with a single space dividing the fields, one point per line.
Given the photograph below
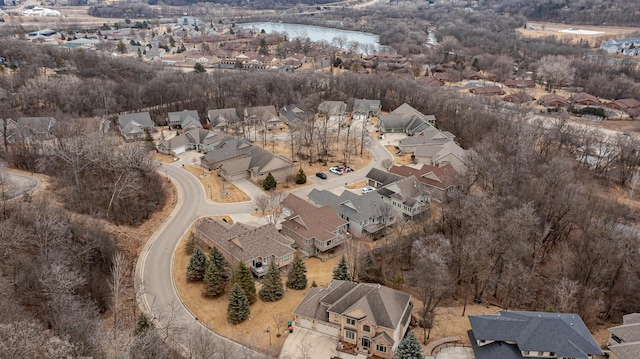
x=294 y=113
x=256 y=247
x=317 y=231
x=196 y=139
x=186 y=120
x=439 y=181
x=372 y=317
x=134 y=125
x=408 y=197
x=377 y=177
x=405 y=119
x=624 y=341
x=238 y=158
x=335 y=111
x=222 y=119
x=364 y=109
x=366 y=214
x=441 y=155
x=516 y=335
x=429 y=137
x=263 y=116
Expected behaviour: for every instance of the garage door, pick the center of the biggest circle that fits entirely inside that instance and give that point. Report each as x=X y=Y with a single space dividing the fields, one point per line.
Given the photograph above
x=305 y=323
x=327 y=329
x=178 y=150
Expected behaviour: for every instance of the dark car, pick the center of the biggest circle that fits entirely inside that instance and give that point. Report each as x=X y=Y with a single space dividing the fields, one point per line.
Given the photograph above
x=321 y=175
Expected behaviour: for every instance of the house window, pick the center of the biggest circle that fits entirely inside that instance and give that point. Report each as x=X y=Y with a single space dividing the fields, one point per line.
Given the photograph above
x=351 y=321
x=381 y=348
x=366 y=343
x=540 y=354
x=350 y=334
x=329 y=242
x=286 y=258
x=525 y=352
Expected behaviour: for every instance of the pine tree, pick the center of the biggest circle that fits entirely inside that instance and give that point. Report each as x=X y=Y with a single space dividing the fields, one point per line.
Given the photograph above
x=409 y=348
x=301 y=177
x=341 y=271
x=238 y=309
x=197 y=265
x=269 y=182
x=214 y=281
x=297 y=277
x=221 y=263
x=369 y=272
x=272 y=289
x=244 y=279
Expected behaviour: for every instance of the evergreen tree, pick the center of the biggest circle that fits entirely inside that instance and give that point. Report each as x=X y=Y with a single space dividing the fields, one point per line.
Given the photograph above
x=197 y=265
x=341 y=271
x=191 y=243
x=301 y=177
x=297 y=277
x=272 y=289
x=409 y=347
x=369 y=272
x=238 y=309
x=221 y=263
x=269 y=182
x=244 y=279
x=214 y=281
x=199 y=68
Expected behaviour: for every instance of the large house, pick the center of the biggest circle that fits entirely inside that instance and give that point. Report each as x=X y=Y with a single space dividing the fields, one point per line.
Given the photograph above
x=406 y=196
x=196 y=139
x=629 y=105
x=238 y=159
x=186 y=120
x=266 y=116
x=372 y=317
x=583 y=98
x=405 y=119
x=368 y=213
x=487 y=90
x=135 y=126
x=294 y=114
x=553 y=100
x=624 y=342
x=435 y=148
x=223 y=119
x=439 y=181
x=317 y=231
x=335 y=111
x=516 y=335
x=256 y=247
x=364 y=109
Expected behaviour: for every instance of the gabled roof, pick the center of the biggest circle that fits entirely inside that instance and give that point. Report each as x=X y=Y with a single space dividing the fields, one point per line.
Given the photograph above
x=437 y=152
x=187 y=119
x=564 y=334
x=349 y=204
x=262 y=113
x=629 y=335
x=310 y=221
x=584 y=98
x=261 y=160
x=381 y=176
x=406 y=190
x=332 y=107
x=365 y=106
x=487 y=90
x=429 y=136
x=407 y=118
x=293 y=112
x=554 y=100
x=625 y=103
x=229 y=148
x=436 y=177
x=197 y=136
x=245 y=243
x=134 y=122
x=222 y=117
x=518 y=97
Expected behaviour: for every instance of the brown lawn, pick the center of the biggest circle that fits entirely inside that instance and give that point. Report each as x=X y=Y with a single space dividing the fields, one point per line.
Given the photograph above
x=212 y=312
x=358 y=184
x=399 y=159
x=217 y=189
x=545 y=29
x=161 y=157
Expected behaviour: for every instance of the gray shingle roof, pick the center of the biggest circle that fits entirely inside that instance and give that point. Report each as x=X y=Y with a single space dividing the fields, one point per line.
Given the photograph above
x=564 y=334
x=333 y=107
x=186 y=119
x=383 y=177
x=223 y=116
x=365 y=106
x=429 y=136
x=350 y=205
x=140 y=119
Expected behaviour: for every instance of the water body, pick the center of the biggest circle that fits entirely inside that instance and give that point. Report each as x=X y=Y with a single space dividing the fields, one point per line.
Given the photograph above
x=367 y=42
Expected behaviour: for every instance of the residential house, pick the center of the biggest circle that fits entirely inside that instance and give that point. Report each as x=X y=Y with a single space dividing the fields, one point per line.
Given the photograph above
x=256 y=247
x=196 y=139
x=134 y=125
x=364 y=109
x=439 y=181
x=294 y=114
x=238 y=159
x=629 y=105
x=583 y=98
x=515 y=335
x=405 y=119
x=624 y=341
x=430 y=81
x=407 y=197
x=487 y=90
x=513 y=83
x=429 y=137
x=518 y=97
x=372 y=317
x=335 y=111
x=553 y=100
x=440 y=155
x=317 y=231
x=186 y=120
x=189 y=21
x=366 y=214
x=222 y=119
x=377 y=178
x=265 y=116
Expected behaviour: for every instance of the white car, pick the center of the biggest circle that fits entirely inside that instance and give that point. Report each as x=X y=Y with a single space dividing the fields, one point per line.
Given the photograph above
x=367 y=189
x=335 y=170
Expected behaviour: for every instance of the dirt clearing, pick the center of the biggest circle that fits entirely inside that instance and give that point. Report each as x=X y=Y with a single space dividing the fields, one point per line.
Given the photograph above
x=594 y=35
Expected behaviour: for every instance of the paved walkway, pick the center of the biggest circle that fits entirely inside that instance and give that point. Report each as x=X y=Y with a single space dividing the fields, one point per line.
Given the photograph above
x=303 y=343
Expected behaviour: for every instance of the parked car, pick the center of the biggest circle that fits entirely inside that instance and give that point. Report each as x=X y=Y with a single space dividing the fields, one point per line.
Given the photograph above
x=367 y=189
x=335 y=170
x=321 y=175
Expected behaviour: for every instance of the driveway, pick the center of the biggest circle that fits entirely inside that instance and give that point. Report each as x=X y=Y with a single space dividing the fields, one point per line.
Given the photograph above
x=303 y=343
x=456 y=353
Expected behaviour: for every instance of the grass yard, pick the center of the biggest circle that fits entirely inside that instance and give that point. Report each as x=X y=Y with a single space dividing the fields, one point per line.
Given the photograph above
x=213 y=186
x=399 y=159
x=213 y=312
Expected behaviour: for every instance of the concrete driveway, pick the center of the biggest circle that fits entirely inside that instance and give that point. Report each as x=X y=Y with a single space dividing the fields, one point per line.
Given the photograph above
x=303 y=343
x=456 y=353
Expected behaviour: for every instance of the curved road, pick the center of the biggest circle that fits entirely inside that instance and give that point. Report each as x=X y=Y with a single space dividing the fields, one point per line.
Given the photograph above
x=154 y=280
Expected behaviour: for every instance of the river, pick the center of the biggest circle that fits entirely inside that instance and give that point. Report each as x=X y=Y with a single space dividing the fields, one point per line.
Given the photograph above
x=367 y=42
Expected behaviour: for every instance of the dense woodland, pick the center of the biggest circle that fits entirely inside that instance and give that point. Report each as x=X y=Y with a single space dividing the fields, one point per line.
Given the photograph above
x=528 y=227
